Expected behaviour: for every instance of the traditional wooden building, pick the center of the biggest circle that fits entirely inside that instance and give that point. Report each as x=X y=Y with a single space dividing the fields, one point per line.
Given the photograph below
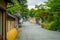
x=11 y=26
x=2 y=19
x=3 y=14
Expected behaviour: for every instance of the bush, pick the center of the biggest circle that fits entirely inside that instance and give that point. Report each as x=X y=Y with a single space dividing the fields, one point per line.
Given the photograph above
x=51 y=26
x=42 y=24
x=55 y=26
x=47 y=25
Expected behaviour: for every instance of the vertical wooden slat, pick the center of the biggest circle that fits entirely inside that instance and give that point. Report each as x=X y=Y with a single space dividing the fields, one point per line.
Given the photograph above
x=0 y=25
x=4 y=25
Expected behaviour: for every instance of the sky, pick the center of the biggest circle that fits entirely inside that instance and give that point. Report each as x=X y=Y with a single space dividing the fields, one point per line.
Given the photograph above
x=32 y=3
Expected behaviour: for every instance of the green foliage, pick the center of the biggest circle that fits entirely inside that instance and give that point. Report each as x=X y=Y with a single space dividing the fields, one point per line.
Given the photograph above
x=24 y=8
x=37 y=11
x=31 y=12
x=48 y=25
x=12 y=8
x=20 y=6
x=52 y=8
x=54 y=5
x=54 y=14
x=55 y=26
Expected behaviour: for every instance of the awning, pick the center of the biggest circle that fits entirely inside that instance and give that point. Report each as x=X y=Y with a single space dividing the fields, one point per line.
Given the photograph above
x=10 y=16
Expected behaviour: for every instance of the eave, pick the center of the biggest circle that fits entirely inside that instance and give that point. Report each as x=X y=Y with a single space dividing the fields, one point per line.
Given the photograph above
x=9 y=1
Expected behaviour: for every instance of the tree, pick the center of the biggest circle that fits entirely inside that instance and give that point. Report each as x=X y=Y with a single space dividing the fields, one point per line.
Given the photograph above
x=54 y=13
x=54 y=5
x=12 y=8
x=24 y=8
x=19 y=6
x=31 y=12
x=41 y=9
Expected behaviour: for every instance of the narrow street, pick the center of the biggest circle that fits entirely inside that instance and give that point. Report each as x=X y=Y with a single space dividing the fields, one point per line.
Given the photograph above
x=35 y=32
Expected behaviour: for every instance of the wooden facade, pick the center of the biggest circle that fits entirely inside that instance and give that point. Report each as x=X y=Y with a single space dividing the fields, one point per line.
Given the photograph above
x=0 y=25
x=10 y=22
x=2 y=20
x=11 y=26
x=7 y=22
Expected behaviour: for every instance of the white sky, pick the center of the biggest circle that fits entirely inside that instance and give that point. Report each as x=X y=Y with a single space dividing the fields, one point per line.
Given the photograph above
x=32 y=3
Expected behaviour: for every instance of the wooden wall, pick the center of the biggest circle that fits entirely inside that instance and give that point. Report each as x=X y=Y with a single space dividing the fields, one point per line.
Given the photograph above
x=0 y=25
x=10 y=25
x=2 y=4
x=0 y=22
x=3 y=12
x=10 y=22
x=16 y=22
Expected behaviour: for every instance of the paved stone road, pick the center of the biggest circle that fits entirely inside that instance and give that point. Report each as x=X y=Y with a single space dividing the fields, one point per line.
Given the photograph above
x=35 y=32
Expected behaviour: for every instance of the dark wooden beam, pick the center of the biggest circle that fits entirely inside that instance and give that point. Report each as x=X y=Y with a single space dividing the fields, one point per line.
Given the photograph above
x=9 y=1
x=2 y=9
